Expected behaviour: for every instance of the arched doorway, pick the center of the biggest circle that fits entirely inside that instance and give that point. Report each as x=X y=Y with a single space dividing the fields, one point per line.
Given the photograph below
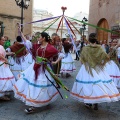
x=102 y=35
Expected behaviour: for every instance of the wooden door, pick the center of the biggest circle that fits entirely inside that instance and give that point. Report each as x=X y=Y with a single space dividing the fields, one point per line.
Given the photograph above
x=102 y=35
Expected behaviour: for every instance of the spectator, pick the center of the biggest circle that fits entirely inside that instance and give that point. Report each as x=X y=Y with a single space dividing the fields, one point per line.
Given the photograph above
x=7 y=42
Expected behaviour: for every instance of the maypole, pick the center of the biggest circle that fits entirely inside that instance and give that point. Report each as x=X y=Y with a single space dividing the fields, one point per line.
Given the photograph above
x=63 y=10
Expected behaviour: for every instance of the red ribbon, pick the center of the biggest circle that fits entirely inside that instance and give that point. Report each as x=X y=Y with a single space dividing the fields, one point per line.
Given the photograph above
x=36 y=69
x=59 y=24
x=70 y=27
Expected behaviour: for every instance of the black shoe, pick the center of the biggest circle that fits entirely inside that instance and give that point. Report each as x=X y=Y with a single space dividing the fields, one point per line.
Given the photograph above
x=7 y=94
x=5 y=98
x=88 y=105
x=95 y=106
x=30 y=110
x=67 y=75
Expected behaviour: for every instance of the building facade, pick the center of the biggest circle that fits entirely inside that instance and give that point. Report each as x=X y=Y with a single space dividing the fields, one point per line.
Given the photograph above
x=10 y=15
x=105 y=14
x=79 y=16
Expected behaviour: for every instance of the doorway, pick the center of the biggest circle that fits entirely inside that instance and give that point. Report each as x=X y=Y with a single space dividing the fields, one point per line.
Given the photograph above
x=102 y=35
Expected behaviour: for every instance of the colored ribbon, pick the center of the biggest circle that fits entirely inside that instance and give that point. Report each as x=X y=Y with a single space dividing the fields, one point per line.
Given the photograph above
x=104 y=29
x=70 y=27
x=76 y=29
x=45 y=61
x=6 y=63
x=71 y=36
x=59 y=24
x=42 y=20
x=51 y=24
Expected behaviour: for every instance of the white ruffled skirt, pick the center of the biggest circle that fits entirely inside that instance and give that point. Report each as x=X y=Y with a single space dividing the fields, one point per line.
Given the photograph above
x=7 y=79
x=112 y=69
x=68 y=65
x=94 y=89
x=23 y=65
x=33 y=92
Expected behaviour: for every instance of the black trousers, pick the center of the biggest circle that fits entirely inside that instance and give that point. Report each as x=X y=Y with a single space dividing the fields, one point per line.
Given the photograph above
x=77 y=55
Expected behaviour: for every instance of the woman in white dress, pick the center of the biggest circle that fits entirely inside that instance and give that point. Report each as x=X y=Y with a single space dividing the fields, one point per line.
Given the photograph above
x=7 y=79
x=35 y=86
x=113 y=67
x=22 y=60
x=68 y=65
x=93 y=85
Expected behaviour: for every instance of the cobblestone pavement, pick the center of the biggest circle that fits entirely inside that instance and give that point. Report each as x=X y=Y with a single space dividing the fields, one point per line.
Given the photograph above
x=66 y=109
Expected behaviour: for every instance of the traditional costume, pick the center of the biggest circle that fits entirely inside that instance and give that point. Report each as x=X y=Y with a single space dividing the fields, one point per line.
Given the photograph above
x=35 y=86
x=93 y=84
x=21 y=60
x=113 y=67
x=68 y=65
x=7 y=79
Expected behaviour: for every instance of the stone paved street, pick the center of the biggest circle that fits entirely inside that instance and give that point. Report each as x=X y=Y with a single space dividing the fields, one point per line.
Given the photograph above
x=66 y=109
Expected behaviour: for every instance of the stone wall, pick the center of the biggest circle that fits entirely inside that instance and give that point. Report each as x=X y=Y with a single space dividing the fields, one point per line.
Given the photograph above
x=108 y=9
x=10 y=14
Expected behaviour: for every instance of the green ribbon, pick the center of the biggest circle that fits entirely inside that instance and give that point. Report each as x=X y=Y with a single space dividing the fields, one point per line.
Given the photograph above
x=56 y=78
x=40 y=60
x=104 y=29
x=5 y=63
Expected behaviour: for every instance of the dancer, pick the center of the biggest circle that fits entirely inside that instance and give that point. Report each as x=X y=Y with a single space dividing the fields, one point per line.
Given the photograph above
x=68 y=65
x=7 y=79
x=22 y=60
x=93 y=85
x=113 y=67
x=36 y=86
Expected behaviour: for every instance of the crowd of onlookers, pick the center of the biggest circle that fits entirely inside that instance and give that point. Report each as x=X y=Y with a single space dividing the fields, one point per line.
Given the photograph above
x=106 y=45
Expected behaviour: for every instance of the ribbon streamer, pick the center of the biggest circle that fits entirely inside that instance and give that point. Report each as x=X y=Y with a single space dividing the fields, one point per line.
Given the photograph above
x=42 y=20
x=53 y=85
x=70 y=27
x=45 y=61
x=33 y=40
x=76 y=29
x=71 y=36
x=6 y=63
x=59 y=24
x=49 y=22
x=104 y=29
